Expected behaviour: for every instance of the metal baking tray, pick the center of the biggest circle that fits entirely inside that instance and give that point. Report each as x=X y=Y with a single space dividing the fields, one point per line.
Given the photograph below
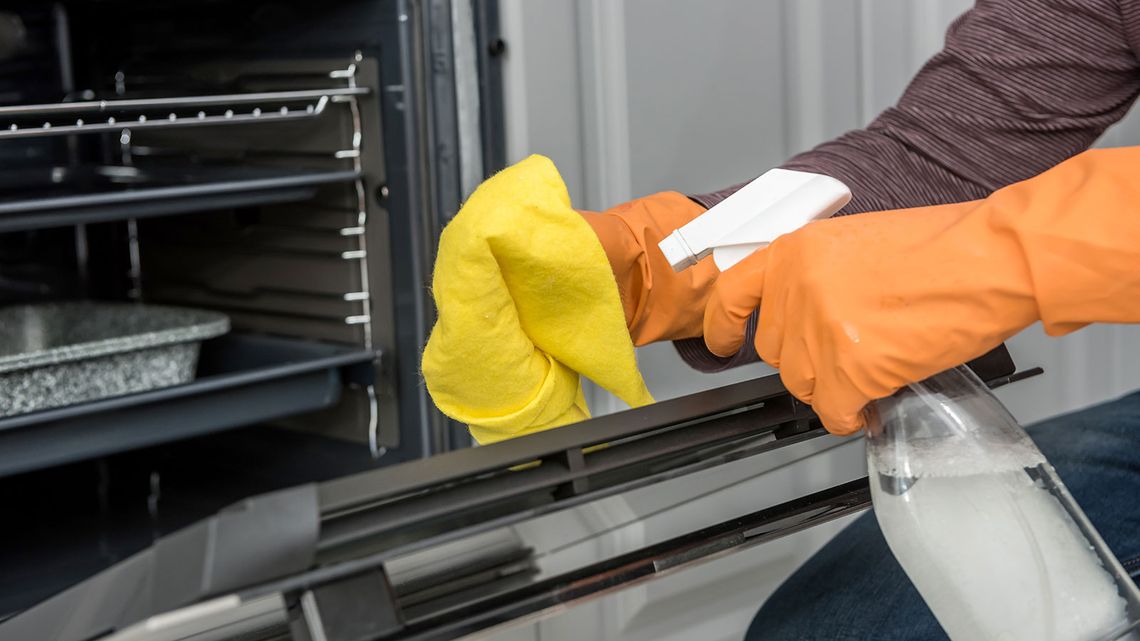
x=242 y=379
x=39 y=197
x=58 y=354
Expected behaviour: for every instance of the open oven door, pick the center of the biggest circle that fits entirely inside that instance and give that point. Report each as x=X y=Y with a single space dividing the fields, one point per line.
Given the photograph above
x=453 y=545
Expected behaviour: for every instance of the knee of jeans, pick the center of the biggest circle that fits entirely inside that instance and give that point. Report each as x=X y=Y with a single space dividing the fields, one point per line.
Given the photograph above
x=1104 y=429
x=829 y=596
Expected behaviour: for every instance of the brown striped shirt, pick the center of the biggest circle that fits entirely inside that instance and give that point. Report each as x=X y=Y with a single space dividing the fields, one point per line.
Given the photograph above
x=1019 y=86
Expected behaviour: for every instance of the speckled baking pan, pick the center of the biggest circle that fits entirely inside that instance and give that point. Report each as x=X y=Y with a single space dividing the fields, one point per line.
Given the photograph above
x=59 y=354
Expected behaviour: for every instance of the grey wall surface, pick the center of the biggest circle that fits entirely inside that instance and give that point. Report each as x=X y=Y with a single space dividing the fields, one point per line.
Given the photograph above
x=691 y=130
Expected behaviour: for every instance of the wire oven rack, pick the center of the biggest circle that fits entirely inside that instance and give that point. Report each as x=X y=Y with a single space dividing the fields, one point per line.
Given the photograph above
x=101 y=116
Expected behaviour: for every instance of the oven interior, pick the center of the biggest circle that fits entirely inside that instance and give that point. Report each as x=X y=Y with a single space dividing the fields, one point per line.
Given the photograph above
x=287 y=163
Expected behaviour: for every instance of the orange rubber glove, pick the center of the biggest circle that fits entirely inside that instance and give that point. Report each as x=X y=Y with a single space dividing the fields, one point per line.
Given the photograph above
x=659 y=303
x=853 y=308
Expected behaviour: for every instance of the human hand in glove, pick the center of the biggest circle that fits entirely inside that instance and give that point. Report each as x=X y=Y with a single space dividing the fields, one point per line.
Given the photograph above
x=853 y=308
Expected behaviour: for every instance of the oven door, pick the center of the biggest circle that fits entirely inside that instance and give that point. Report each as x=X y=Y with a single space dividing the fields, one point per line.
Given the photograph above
x=473 y=540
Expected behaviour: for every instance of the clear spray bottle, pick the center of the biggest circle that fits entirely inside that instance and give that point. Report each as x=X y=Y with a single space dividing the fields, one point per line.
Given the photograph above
x=976 y=516
x=982 y=525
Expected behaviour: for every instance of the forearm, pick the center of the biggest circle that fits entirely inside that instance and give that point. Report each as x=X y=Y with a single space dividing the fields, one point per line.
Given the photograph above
x=1019 y=87
x=882 y=172
x=1076 y=232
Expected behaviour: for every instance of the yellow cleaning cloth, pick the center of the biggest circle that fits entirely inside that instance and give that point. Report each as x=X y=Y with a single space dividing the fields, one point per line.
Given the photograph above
x=526 y=302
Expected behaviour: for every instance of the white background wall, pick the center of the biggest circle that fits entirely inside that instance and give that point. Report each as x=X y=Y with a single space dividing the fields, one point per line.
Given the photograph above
x=630 y=97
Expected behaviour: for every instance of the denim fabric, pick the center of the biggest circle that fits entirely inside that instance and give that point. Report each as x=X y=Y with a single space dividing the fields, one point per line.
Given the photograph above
x=853 y=589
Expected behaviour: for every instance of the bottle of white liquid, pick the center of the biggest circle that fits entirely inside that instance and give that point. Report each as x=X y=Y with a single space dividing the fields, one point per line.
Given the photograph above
x=982 y=525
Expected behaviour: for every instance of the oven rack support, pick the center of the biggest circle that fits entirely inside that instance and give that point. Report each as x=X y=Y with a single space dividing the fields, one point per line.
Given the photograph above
x=360 y=233
x=101 y=116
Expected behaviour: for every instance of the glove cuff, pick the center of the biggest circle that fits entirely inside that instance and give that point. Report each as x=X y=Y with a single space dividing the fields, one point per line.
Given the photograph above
x=659 y=304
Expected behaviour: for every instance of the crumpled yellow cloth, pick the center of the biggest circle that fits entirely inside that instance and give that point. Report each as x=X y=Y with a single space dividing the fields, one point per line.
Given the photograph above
x=526 y=302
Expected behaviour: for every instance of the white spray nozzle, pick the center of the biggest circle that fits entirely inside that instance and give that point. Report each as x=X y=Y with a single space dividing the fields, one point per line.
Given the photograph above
x=774 y=204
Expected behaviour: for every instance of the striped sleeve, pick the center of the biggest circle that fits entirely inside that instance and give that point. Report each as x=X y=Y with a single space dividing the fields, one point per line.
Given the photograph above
x=1020 y=86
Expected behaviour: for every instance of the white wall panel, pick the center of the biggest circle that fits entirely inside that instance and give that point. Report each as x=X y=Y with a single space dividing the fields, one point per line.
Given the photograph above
x=691 y=130
x=822 y=77
x=543 y=110
x=635 y=96
x=606 y=116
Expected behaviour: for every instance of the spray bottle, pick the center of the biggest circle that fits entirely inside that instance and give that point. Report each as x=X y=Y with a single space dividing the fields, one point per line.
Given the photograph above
x=976 y=516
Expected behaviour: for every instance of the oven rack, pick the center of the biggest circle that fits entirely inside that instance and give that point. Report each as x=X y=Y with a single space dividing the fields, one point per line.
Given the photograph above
x=39 y=198
x=102 y=116
x=242 y=379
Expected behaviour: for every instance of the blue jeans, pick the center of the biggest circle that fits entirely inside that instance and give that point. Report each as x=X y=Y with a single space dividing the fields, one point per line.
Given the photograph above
x=853 y=589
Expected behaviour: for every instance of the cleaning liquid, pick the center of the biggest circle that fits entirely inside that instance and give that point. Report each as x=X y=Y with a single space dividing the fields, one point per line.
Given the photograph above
x=982 y=525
